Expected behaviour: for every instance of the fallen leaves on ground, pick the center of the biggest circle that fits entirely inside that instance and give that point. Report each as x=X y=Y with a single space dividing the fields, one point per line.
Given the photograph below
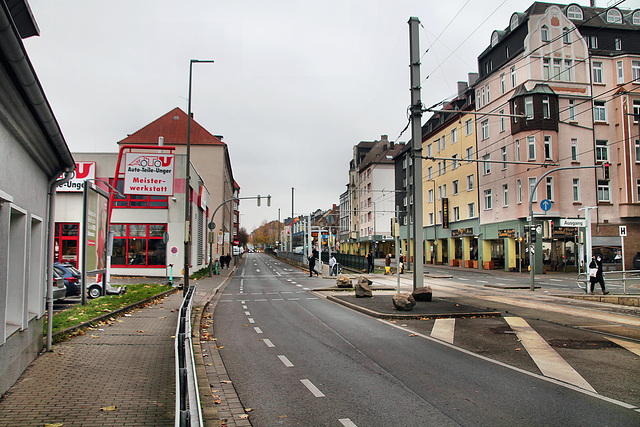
x=141 y=331
x=413 y=335
x=243 y=416
x=217 y=400
x=219 y=347
x=54 y=425
x=108 y=408
x=225 y=381
x=518 y=349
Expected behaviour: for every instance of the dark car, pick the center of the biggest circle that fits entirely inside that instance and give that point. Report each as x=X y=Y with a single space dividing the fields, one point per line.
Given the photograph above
x=72 y=278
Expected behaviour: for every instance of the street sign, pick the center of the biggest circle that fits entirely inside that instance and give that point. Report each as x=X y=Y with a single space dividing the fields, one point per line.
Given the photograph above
x=623 y=231
x=545 y=205
x=573 y=222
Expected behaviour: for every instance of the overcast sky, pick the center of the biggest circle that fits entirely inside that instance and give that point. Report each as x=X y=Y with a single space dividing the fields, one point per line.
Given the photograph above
x=295 y=84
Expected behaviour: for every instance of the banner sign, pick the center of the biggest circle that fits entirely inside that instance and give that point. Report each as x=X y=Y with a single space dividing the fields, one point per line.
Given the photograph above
x=84 y=170
x=149 y=174
x=509 y=233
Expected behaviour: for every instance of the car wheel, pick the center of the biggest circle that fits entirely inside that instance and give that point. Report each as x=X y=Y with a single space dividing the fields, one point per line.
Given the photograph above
x=94 y=291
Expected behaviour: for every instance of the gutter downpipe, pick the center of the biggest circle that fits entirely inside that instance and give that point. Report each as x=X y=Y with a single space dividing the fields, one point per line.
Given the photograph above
x=49 y=253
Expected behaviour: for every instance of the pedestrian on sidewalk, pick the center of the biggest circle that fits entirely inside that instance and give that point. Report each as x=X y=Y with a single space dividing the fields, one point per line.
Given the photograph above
x=370 y=262
x=312 y=263
x=596 y=264
x=401 y=264
x=332 y=264
x=387 y=264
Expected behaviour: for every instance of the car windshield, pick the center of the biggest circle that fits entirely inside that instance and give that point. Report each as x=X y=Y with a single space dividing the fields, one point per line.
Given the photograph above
x=73 y=270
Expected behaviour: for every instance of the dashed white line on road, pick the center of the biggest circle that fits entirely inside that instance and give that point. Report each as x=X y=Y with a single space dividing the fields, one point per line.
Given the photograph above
x=556 y=280
x=251 y=320
x=293 y=299
x=346 y=422
x=258 y=330
x=299 y=286
x=244 y=307
x=312 y=298
x=261 y=300
x=286 y=361
x=462 y=278
x=256 y=293
x=312 y=388
x=268 y=342
x=482 y=281
x=306 y=289
x=247 y=313
x=277 y=299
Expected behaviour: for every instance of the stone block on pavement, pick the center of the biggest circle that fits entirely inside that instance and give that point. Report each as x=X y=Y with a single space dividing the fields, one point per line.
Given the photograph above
x=343 y=282
x=363 y=288
x=423 y=294
x=404 y=301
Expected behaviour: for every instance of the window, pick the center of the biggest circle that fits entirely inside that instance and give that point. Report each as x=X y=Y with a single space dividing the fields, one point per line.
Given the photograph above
x=454 y=135
x=444 y=190
x=519 y=191
x=576 y=190
x=599 y=111
x=66 y=243
x=636 y=111
x=430 y=196
x=471 y=210
x=517 y=150
x=638 y=189
x=513 y=22
x=532 y=183
x=545 y=68
x=487 y=199
x=574 y=150
x=544 y=33
x=487 y=165
x=482 y=98
x=469 y=153
x=557 y=69
x=620 y=72
x=506 y=51
x=602 y=151
x=572 y=110
x=468 y=127
x=513 y=76
x=138 y=245
x=637 y=150
x=597 y=72
x=603 y=191
x=488 y=95
x=494 y=38
x=503 y=122
x=635 y=71
x=503 y=153
x=454 y=164
x=430 y=172
x=456 y=187
x=528 y=107
x=430 y=218
x=574 y=12
x=503 y=83
x=485 y=129
x=439 y=168
x=430 y=150
x=137 y=201
x=593 y=42
x=546 y=112
x=549 y=187
x=636 y=18
x=614 y=16
x=566 y=35
x=505 y=195
x=531 y=147
x=568 y=70
x=456 y=213
x=617 y=43
x=515 y=112
x=439 y=192
x=547 y=147
x=470 y=182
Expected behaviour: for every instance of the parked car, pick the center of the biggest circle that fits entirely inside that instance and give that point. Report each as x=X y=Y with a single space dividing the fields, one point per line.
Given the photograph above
x=59 y=289
x=72 y=278
x=94 y=290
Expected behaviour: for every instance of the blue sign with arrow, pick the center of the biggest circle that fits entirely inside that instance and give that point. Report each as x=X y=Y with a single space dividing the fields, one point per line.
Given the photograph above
x=545 y=205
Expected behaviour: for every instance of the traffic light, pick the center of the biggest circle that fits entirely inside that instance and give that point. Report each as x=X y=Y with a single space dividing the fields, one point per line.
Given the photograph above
x=606 y=167
x=268 y=200
x=258 y=200
x=533 y=235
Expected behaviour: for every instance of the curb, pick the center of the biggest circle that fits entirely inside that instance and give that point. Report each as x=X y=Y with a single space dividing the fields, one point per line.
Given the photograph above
x=411 y=316
x=112 y=313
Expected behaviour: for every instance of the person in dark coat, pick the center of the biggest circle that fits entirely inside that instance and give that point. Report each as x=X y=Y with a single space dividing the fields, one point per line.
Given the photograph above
x=596 y=263
x=369 y=262
x=312 y=263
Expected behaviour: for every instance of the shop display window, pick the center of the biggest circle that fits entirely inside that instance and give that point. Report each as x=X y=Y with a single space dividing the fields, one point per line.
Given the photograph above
x=138 y=245
x=66 y=243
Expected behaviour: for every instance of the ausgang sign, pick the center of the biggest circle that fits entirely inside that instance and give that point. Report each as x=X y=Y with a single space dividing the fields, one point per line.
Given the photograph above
x=573 y=222
x=149 y=174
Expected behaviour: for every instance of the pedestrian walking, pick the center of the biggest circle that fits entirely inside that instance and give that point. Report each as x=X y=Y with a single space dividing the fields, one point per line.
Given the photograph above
x=370 y=262
x=312 y=263
x=332 y=265
x=401 y=264
x=595 y=274
x=387 y=264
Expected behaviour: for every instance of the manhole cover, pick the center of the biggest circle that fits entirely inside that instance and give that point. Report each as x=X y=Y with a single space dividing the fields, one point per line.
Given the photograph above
x=582 y=345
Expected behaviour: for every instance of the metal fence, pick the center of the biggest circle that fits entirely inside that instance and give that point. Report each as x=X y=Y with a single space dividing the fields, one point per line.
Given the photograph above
x=630 y=280
x=188 y=410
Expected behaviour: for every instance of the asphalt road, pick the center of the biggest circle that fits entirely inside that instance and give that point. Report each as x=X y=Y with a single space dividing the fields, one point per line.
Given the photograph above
x=298 y=359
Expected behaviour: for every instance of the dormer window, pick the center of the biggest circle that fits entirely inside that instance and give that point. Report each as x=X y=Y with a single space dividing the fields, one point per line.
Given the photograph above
x=566 y=35
x=494 y=38
x=513 y=23
x=614 y=16
x=635 y=18
x=574 y=12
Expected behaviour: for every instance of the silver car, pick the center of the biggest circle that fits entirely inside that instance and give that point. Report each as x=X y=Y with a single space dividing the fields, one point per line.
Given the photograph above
x=59 y=289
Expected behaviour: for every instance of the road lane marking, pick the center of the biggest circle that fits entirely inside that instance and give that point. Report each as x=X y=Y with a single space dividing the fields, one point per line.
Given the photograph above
x=548 y=360
x=306 y=289
x=443 y=329
x=268 y=343
x=346 y=422
x=251 y=320
x=556 y=280
x=633 y=347
x=299 y=286
x=257 y=329
x=261 y=300
x=293 y=299
x=245 y=307
x=286 y=361
x=482 y=281
x=247 y=313
x=313 y=389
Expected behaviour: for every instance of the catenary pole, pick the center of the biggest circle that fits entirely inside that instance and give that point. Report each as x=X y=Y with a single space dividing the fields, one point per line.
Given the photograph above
x=416 y=137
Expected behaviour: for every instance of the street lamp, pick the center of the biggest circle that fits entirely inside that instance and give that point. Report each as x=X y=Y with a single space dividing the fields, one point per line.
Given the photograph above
x=187 y=192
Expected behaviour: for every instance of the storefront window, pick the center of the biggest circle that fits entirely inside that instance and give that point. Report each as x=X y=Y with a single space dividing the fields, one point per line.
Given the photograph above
x=138 y=245
x=137 y=201
x=66 y=243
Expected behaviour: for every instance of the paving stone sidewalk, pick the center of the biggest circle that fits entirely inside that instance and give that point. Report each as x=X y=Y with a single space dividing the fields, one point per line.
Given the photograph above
x=117 y=374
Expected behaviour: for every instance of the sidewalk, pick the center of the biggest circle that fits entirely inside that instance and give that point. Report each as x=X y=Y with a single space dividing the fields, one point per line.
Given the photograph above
x=121 y=373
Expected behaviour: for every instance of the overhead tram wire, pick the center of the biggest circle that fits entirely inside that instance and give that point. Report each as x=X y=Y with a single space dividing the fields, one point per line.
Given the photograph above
x=444 y=29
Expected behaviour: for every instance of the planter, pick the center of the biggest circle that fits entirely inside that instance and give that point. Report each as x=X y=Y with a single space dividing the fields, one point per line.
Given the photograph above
x=475 y=264
x=453 y=263
x=468 y=263
x=488 y=265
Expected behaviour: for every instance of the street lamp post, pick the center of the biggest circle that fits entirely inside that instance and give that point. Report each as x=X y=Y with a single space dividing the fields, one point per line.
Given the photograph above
x=187 y=191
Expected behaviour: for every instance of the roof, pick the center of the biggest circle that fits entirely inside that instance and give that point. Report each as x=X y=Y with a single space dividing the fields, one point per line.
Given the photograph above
x=173 y=128
x=379 y=153
x=538 y=88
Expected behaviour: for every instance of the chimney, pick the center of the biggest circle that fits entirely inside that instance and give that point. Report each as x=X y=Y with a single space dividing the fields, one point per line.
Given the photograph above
x=161 y=140
x=473 y=78
x=462 y=88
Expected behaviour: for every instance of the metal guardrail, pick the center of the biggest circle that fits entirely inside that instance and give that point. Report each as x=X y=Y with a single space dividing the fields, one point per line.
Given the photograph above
x=188 y=409
x=624 y=277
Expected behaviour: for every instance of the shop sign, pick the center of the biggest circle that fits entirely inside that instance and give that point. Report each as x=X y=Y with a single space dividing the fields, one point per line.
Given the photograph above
x=573 y=222
x=149 y=174
x=462 y=232
x=445 y=212
x=84 y=170
x=564 y=231
x=509 y=233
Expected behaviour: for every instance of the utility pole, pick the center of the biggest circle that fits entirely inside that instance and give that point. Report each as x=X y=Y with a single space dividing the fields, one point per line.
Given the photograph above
x=291 y=226
x=416 y=137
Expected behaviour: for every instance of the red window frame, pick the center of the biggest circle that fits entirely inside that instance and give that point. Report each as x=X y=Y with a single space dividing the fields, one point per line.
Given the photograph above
x=135 y=201
x=132 y=257
x=61 y=237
